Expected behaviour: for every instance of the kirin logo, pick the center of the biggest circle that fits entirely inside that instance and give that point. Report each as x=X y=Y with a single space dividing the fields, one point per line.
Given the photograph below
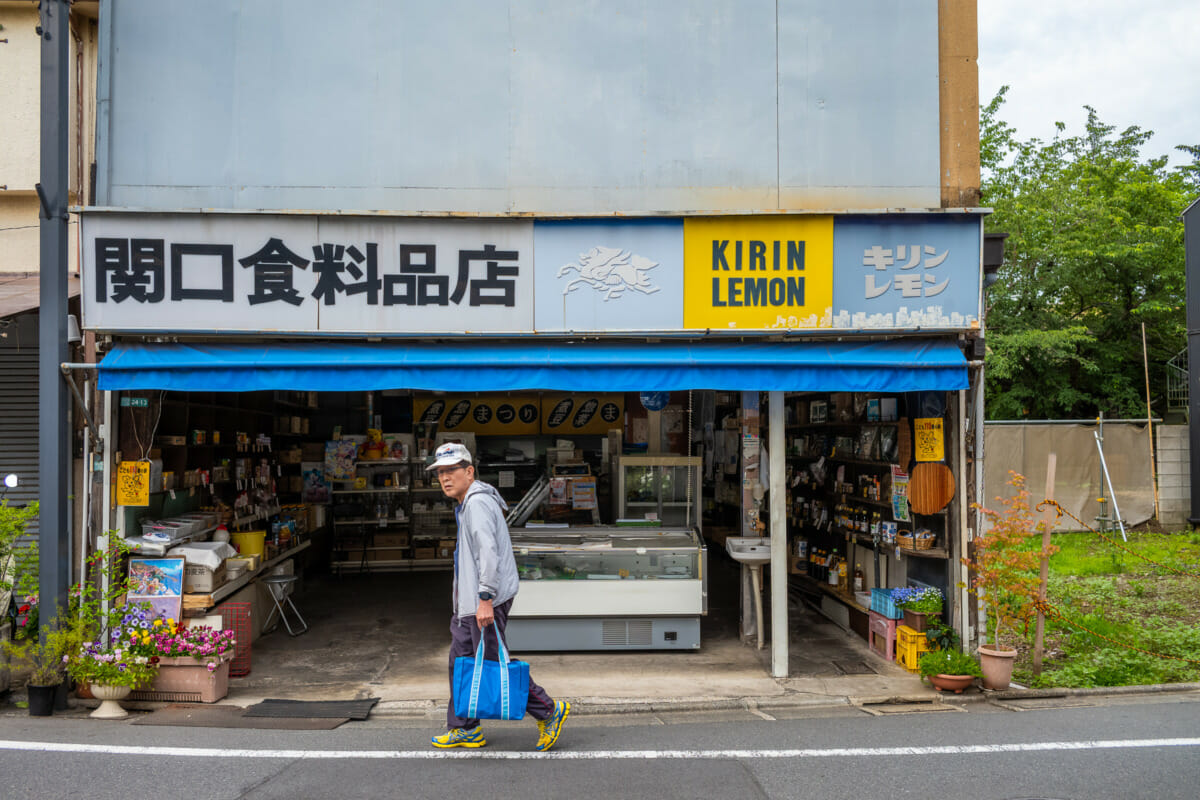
x=610 y=270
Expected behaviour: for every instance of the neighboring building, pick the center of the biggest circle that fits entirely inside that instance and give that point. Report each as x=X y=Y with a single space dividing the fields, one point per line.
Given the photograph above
x=20 y=148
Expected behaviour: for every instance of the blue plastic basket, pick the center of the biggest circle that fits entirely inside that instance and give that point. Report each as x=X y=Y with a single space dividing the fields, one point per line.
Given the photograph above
x=881 y=603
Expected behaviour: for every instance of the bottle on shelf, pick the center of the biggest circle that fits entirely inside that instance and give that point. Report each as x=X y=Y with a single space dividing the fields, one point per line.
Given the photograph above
x=843 y=580
x=860 y=579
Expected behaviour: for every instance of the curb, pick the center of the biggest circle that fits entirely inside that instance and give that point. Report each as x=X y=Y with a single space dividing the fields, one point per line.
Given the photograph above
x=647 y=705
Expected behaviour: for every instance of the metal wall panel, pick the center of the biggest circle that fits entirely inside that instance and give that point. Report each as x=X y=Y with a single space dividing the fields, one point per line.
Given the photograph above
x=19 y=410
x=629 y=106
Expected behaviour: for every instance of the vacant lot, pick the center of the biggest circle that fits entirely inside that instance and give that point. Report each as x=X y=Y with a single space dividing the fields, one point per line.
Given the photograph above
x=1114 y=600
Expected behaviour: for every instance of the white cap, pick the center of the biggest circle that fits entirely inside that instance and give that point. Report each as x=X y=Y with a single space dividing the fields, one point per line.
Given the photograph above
x=450 y=454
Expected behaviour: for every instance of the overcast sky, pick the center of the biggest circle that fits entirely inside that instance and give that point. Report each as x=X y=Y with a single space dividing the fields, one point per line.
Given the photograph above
x=1137 y=62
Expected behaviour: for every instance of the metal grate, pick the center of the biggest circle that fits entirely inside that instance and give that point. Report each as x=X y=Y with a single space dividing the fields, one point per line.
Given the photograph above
x=236 y=617
x=613 y=633
x=166 y=697
x=1177 y=381
x=639 y=632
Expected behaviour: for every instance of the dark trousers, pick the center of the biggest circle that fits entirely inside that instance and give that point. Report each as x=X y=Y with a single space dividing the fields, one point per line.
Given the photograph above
x=464 y=640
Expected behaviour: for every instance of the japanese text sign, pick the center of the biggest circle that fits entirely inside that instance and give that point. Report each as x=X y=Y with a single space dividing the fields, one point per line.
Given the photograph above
x=133 y=483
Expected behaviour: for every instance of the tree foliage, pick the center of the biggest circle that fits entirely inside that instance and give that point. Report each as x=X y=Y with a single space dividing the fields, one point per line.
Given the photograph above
x=1095 y=249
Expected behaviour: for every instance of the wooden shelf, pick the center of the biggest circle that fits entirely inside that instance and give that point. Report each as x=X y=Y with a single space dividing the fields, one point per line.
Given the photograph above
x=381 y=490
x=200 y=602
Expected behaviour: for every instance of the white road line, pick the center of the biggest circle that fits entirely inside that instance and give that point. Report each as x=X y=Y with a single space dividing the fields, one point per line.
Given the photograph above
x=594 y=755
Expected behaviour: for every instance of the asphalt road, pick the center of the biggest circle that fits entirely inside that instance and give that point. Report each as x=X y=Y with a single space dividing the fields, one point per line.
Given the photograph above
x=1145 y=746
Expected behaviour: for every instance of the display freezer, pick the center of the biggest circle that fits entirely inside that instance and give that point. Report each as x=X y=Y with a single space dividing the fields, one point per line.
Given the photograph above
x=608 y=588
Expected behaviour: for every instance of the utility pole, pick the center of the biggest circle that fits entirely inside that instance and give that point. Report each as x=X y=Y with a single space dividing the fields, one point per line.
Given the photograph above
x=54 y=453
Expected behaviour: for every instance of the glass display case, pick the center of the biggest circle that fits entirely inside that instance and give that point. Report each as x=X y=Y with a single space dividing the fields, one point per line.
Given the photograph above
x=665 y=487
x=608 y=588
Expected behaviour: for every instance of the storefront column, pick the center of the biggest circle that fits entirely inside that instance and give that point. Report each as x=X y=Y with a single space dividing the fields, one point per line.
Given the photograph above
x=779 y=555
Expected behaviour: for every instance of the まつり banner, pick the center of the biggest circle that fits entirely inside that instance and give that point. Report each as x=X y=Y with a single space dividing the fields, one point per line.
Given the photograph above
x=758 y=273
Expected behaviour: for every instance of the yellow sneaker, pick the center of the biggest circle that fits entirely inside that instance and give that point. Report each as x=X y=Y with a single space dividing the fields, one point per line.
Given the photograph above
x=460 y=737
x=549 y=729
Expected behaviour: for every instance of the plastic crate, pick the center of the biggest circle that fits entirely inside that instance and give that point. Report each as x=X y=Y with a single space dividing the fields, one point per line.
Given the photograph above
x=881 y=635
x=909 y=647
x=881 y=603
x=236 y=617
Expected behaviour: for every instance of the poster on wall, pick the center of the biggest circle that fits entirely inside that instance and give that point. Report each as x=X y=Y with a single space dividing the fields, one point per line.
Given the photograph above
x=133 y=483
x=159 y=582
x=929 y=439
x=582 y=414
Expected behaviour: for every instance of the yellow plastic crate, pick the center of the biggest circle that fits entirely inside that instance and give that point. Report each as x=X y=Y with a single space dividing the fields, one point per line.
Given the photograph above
x=909 y=647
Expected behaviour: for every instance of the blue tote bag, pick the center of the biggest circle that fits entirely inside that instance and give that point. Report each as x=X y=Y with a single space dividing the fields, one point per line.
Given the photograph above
x=490 y=689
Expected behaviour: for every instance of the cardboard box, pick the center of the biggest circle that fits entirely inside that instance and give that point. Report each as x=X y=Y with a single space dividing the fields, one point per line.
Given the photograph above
x=201 y=579
x=292 y=455
x=391 y=540
x=798 y=565
x=387 y=554
x=424 y=553
x=445 y=548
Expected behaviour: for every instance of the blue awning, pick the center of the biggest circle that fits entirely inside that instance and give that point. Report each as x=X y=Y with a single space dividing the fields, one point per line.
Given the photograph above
x=892 y=366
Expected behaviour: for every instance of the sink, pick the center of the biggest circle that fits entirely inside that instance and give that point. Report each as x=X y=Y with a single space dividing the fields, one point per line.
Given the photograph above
x=749 y=550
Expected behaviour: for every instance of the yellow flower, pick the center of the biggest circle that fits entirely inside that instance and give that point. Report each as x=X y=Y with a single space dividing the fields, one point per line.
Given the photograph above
x=157 y=623
x=171 y=622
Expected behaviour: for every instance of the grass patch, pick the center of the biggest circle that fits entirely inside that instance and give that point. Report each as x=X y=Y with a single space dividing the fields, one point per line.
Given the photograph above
x=1120 y=605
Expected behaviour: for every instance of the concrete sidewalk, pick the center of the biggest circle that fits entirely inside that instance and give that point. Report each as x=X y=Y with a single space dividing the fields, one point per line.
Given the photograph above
x=380 y=635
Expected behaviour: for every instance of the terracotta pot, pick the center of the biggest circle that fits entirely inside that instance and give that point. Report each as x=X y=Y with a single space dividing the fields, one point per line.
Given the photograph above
x=951 y=683
x=997 y=665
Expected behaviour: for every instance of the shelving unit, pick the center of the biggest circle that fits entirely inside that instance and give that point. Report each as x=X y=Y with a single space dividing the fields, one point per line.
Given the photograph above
x=372 y=523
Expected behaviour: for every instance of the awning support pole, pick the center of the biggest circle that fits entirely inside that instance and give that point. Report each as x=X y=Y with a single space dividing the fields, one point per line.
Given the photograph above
x=93 y=433
x=779 y=555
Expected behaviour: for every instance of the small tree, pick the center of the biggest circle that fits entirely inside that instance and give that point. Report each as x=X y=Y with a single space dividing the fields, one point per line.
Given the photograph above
x=1004 y=573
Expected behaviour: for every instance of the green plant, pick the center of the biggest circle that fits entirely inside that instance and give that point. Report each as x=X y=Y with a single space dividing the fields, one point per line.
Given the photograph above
x=112 y=666
x=12 y=528
x=1004 y=569
x=941 y=637
x=948 y=662
x=42 y=657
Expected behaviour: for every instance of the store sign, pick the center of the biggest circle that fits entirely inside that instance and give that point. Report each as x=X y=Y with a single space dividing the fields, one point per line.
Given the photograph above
x=904 y=271
x=374 y=276
x=929 y=439
x=253 y=273
x=757 y=273
x=579 y=414
x=133 y=483
x=601 y=275
x=486 y=415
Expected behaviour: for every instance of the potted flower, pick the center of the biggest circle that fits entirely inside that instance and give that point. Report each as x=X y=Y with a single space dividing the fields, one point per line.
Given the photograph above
x=949 y=670
x=192 y=661
x=918 y=605
x=111 y=671
x=1004 y=576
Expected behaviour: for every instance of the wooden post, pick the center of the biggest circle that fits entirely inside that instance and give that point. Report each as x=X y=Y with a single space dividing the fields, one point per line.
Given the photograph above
x=1051 y=465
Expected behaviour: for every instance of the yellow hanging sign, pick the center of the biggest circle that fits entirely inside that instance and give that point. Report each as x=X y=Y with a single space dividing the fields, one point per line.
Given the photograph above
x=929 y=441
x=133 y=483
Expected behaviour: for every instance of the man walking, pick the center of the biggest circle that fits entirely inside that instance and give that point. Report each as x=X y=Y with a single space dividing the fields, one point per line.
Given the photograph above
x=485 y=583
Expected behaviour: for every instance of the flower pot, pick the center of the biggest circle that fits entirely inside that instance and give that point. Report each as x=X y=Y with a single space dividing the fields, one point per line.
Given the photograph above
x=108 y=696
x=917 y=620
x=997 y=665
x=41 y=700
x=186 y=680
x=951 y=683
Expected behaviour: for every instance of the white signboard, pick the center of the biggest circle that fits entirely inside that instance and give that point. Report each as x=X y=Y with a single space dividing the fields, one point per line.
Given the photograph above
x=278 y=273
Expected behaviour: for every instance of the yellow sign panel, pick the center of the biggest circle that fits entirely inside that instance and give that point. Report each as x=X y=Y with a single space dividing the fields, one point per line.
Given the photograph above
x=133 y=483
x=486 y=415
x=579 y=414
x=929 y=441
x=758 y=273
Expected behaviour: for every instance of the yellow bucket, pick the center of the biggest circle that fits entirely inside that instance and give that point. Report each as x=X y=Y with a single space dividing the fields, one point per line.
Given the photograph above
x=249 y=543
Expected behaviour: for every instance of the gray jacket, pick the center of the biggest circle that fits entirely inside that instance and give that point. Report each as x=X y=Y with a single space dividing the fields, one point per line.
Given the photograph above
x=484 y=559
